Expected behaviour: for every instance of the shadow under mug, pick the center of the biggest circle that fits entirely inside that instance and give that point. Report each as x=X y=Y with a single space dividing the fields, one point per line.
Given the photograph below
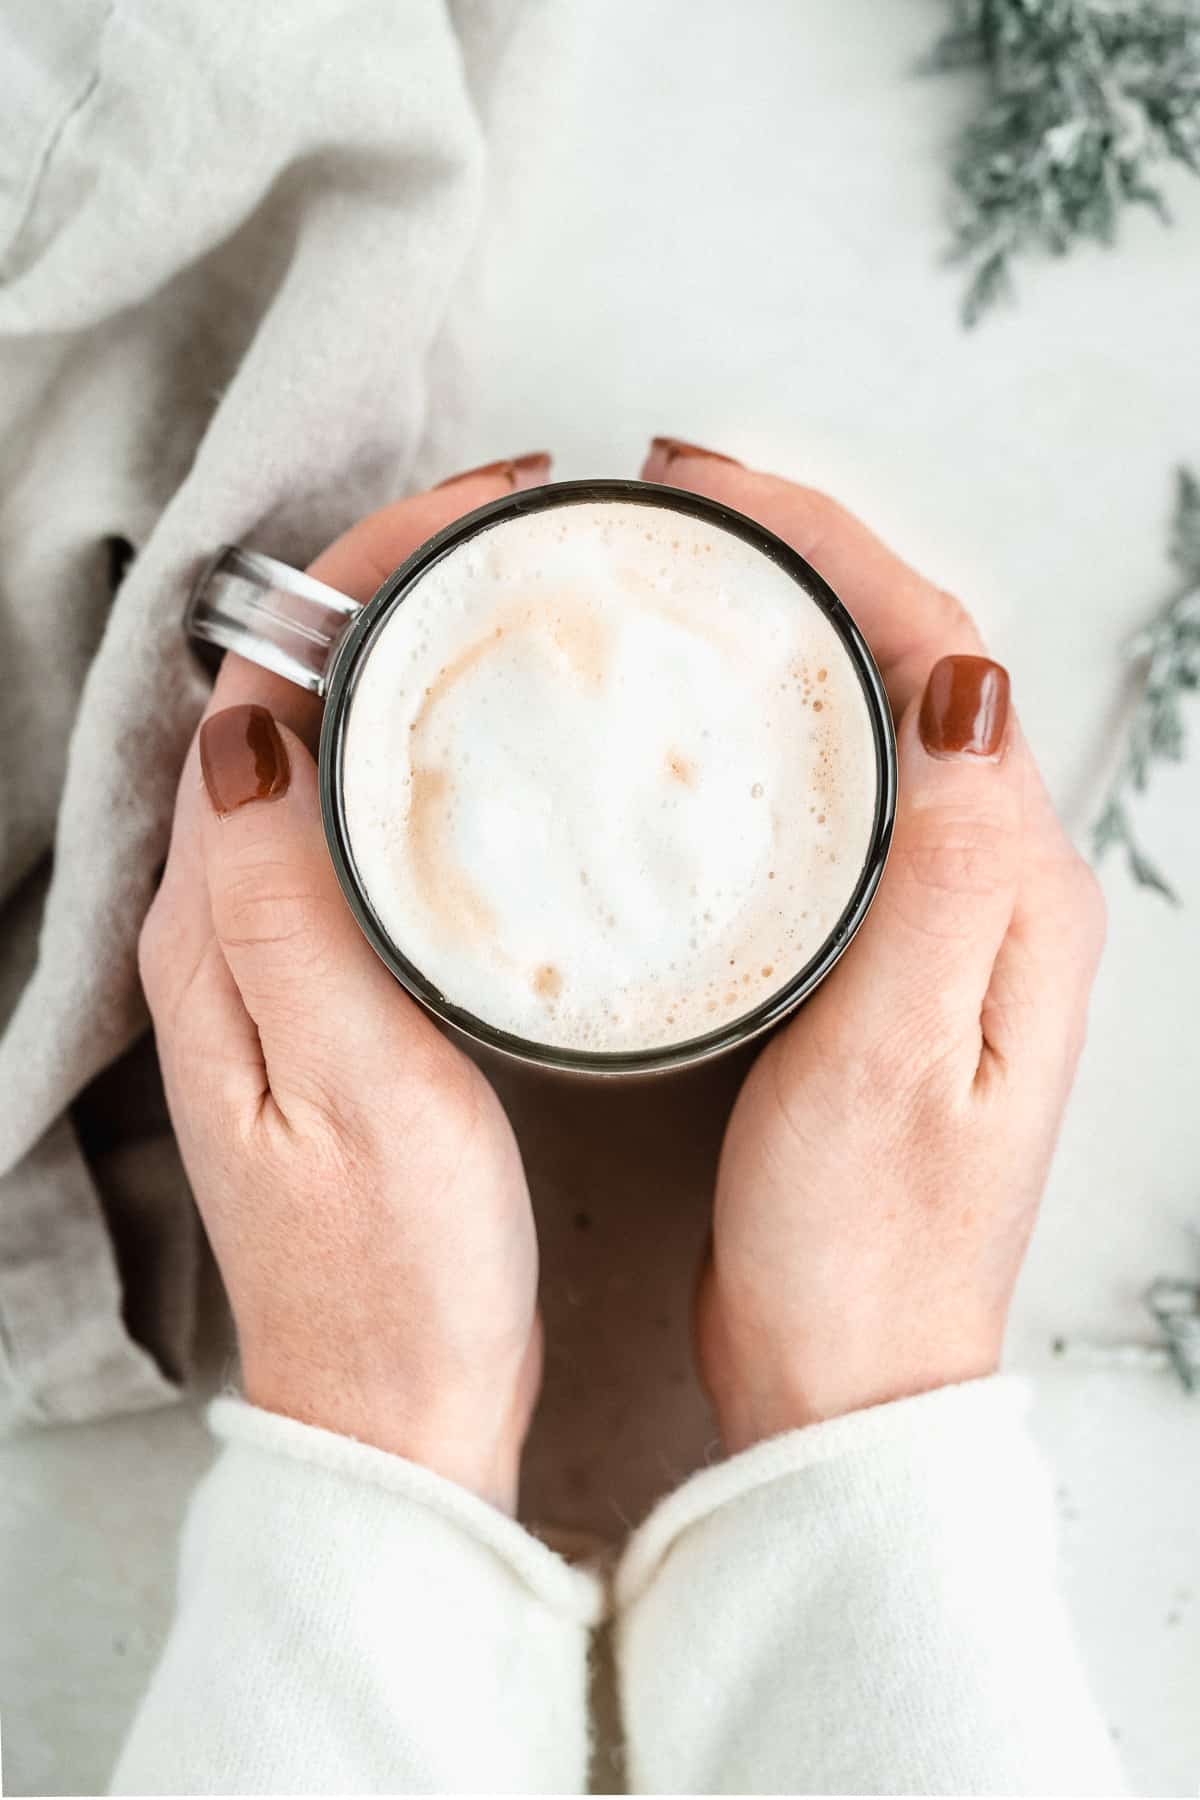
x=309 y=633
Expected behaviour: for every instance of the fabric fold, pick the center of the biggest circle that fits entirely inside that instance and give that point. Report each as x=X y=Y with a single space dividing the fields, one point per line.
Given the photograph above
x=348 y=1622
x=230 y=246
x=867 y=1606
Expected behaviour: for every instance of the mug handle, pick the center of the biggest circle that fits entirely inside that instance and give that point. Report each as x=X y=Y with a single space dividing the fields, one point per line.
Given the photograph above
x=270 y=613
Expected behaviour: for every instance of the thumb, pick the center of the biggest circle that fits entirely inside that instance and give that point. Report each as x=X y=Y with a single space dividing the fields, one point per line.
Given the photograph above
x=324 y=1005
x=915 y=982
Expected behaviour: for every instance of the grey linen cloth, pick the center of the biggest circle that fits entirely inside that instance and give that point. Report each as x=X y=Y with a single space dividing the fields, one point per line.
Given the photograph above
x=229 y=240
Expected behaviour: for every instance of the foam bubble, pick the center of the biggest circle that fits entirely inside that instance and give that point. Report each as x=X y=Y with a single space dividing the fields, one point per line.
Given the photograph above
x=570 y=783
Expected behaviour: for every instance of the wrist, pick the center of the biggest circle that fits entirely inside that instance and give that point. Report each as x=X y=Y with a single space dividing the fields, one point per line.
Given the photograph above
x=762 y=1386
x=756 y=1412
x=484 y=1461
x=470 y=1435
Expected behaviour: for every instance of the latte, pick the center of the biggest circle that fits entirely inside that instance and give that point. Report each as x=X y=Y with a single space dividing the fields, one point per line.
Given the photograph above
x=609 y=776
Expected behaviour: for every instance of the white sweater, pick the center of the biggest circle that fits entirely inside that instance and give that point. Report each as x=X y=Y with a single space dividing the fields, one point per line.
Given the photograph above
x=868 y=1606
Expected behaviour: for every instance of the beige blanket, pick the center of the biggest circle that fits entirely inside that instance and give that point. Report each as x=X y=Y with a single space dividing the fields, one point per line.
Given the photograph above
x=228 y=242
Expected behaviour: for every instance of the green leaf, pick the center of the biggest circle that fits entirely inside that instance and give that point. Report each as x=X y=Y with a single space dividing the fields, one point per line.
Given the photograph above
x=1185 y=531
x=1112 y=827
x=1147 y=876
x=1167 y=737
x=1168 y=648
x=1139 y=193
x=989 y=281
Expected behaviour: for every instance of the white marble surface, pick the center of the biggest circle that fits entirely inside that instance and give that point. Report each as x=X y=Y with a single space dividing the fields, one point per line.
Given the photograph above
x=724 y=224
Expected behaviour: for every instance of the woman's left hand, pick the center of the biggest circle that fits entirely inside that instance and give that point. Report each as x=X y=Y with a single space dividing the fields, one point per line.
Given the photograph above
x=883 y=1165
x=356 y=1174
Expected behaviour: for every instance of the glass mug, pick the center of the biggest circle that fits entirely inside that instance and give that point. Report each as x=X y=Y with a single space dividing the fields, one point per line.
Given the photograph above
x=309 y=633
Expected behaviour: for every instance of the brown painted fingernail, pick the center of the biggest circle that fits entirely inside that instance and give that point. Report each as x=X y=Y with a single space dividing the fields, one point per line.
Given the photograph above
x=666 y=450
x=525 y=471
x=242 y=758
x=965 y=709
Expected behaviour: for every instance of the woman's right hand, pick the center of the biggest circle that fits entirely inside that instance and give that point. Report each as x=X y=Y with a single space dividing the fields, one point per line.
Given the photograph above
x=883 y=1165
x=356 y=1174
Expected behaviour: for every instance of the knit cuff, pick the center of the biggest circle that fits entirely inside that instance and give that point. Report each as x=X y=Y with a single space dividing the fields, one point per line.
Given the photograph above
x=931 y=1424
x=573 y=1593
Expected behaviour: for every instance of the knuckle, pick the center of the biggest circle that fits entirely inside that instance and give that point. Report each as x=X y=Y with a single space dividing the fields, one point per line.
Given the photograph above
x=453 y=1104
x=444 y=1078
x=955 y=619
x=1070 y=895
x=958 y=857
x=252 y=914
x=1090 y=905
x=820 y=506
x=150 y=947
x=426 y=1090
x=822 y=517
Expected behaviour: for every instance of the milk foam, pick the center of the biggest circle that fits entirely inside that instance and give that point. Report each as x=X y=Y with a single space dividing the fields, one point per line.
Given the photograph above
x=609 y=776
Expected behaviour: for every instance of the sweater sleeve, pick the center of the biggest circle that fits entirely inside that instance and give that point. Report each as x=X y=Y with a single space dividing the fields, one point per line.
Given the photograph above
x=348 y=1622
x=867 y=1606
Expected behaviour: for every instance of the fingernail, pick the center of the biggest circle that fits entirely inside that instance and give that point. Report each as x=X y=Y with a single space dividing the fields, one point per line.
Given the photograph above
x=242 y=758
x=525 y=471
x=665 y=450
x=965 y=709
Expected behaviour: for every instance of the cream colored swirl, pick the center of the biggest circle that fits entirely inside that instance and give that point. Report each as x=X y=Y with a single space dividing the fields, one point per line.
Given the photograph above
x=609 y=776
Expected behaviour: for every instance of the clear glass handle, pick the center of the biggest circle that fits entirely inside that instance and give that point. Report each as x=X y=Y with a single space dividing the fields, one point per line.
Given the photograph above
x=271 y=613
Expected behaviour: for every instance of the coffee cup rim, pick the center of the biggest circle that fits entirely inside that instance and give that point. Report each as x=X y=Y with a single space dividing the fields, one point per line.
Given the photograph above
x=351 y=658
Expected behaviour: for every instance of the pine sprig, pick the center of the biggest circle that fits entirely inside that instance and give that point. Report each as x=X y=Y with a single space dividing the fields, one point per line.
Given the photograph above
x=1169 y=649
x=1085 y=97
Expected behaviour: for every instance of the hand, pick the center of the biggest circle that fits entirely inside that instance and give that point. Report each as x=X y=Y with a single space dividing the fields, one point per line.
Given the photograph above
x=884 y=1162
x=356 y=1174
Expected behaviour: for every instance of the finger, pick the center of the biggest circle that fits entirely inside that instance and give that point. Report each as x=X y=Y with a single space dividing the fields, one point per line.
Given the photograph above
x=356 y=564
x=208 y=1045
x=363 y=557
x=1035 y=1011
x=912 y=990
x=359 y=562
x=278 y=914
x=908 y=622
x=198 y=1010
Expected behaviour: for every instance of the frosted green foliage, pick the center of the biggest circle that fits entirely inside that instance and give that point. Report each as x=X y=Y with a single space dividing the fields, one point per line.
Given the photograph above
x=1084 y=99
x=1168 y=650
